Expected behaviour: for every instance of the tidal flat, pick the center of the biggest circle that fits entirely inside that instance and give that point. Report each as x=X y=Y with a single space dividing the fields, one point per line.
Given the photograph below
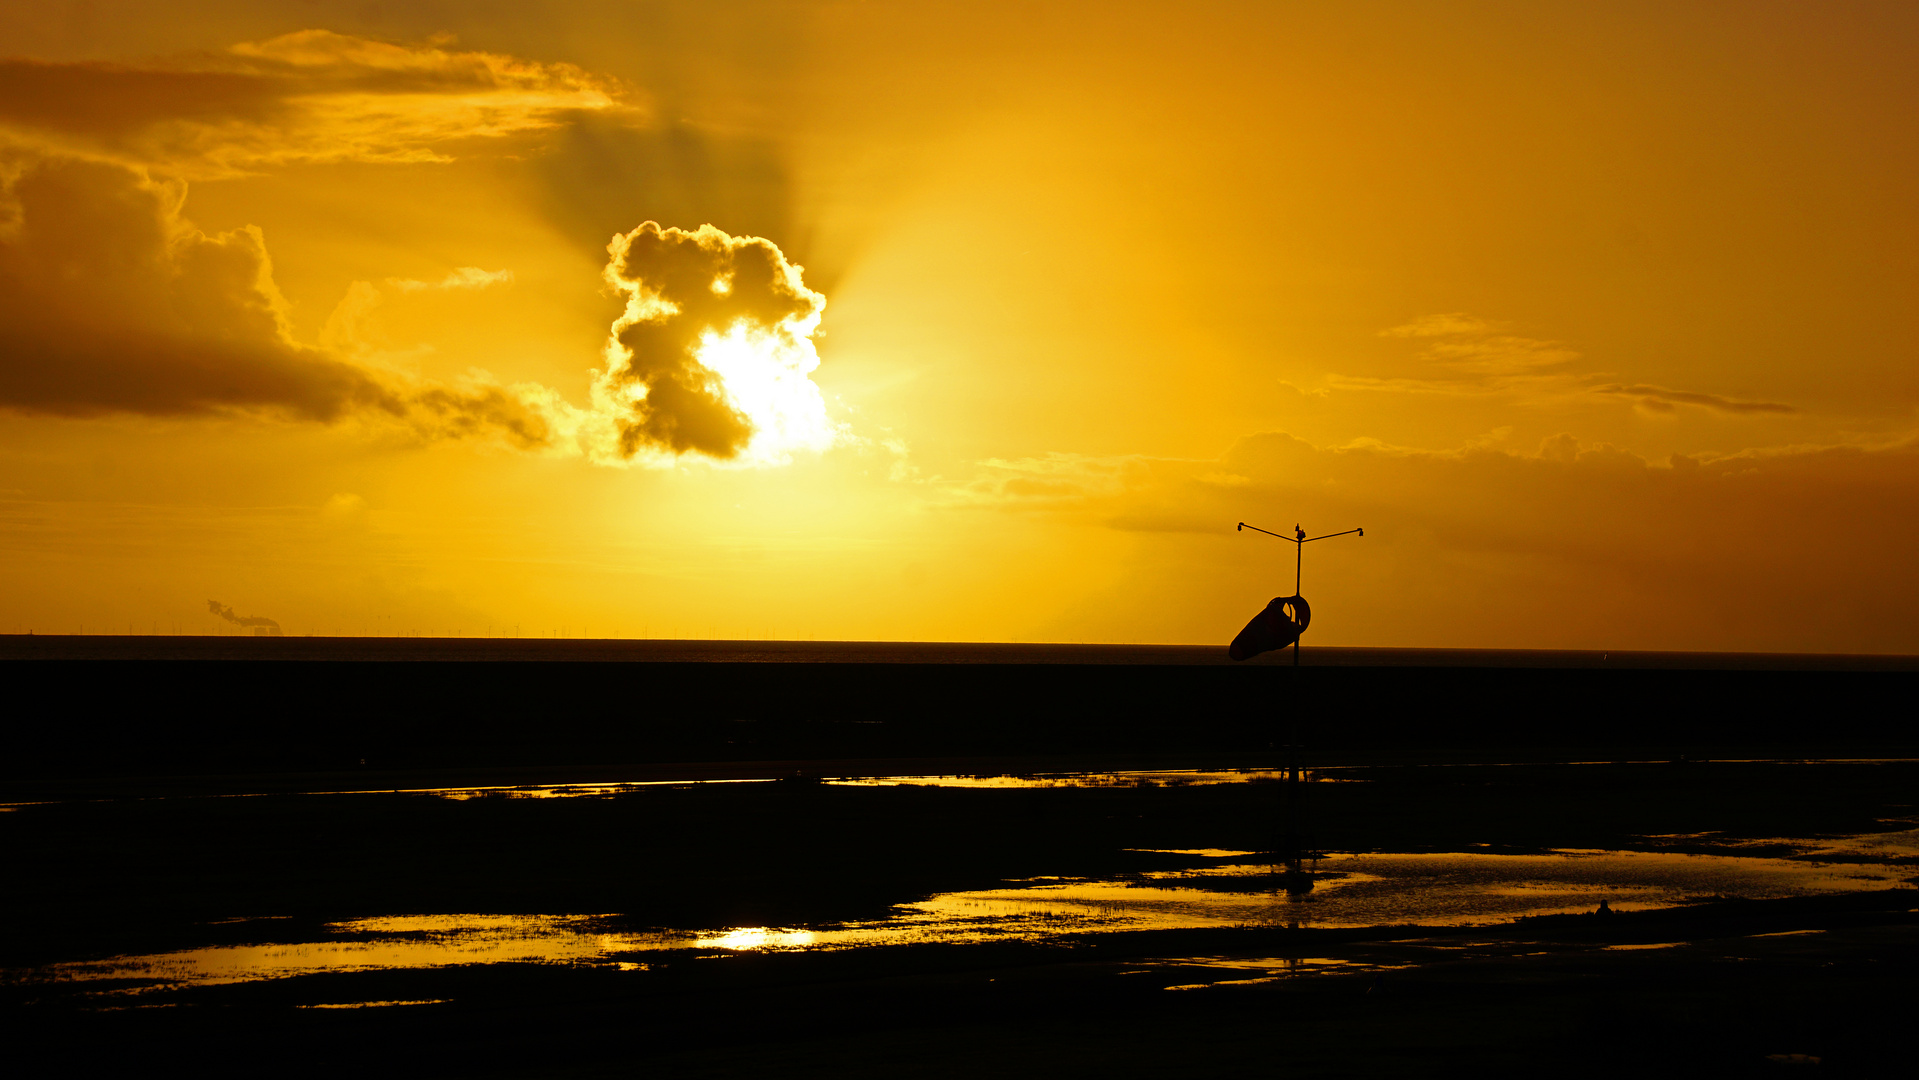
x=975 y=867
x=567 y=927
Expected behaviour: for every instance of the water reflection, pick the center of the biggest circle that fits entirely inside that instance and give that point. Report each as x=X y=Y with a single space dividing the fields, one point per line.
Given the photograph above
x=1451 y=889
x=1454 y=889
x=1270 y=969
x=374 y=1004
x=1136 y=778
x=564 y=791
x=370 y=945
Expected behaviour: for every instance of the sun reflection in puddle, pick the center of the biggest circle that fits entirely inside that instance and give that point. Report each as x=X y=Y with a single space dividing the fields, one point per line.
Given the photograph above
x=758 y=937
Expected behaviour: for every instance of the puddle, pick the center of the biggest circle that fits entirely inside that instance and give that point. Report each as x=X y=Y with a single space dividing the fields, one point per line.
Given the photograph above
x=1143 y=778
x=368 y=945
x=1148 y=778
x=375 y=1004
x=501 y=791
x=1205 y=852
x=563 y=791
x=1272 y=969
x=1898 y=846
x=1452 y=889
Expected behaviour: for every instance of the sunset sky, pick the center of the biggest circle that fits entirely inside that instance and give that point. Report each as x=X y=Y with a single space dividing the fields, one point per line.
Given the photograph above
x=1601 y=319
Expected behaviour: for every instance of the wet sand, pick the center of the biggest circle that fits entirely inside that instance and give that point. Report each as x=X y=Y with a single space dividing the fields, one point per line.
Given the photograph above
x=124 y=877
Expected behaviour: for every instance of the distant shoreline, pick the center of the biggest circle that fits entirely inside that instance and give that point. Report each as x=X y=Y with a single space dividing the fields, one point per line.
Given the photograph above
x=104 y=647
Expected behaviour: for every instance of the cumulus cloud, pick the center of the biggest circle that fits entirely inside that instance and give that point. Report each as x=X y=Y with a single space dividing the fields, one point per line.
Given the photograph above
x=313 y=95
x=713 y=352
x=111 y=301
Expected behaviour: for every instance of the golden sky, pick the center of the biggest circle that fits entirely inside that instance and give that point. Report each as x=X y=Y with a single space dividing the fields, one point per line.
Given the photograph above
x=965 y=321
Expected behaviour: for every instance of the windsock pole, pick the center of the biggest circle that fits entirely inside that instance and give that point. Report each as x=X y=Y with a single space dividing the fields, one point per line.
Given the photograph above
x=1299 y=564
x=1299 y=540
x=1295 y=877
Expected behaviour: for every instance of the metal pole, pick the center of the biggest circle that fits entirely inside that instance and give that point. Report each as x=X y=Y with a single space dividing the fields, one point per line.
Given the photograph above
x=1292 y=733
x=1294 y=878
x=1299 y=562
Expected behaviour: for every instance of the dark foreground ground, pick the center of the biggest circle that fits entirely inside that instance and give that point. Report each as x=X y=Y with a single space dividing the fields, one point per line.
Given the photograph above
x=132 y=845
x=1733 y=993
x=176 y=706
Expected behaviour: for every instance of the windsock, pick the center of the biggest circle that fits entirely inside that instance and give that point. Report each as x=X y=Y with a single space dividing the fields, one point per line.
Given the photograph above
x=1278 y=625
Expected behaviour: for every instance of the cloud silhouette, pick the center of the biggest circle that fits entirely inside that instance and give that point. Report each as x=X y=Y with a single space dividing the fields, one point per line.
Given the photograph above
x=714 y=349
x=111 y=301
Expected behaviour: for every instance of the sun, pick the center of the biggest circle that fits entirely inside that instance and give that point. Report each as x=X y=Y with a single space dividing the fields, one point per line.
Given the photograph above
x=713 y=354
x=767 y=377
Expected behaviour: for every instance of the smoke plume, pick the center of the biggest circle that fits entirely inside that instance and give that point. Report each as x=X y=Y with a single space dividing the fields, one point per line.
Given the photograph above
x=217 y=608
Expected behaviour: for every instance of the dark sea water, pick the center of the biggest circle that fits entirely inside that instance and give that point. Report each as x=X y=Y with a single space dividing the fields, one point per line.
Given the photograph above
x=654 y=650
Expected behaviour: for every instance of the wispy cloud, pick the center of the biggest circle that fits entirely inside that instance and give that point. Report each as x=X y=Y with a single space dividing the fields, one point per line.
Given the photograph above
x=1443 y=325
x=465 y=277
x=1468 y=356
x=1661 y=399
x=1047 y=482
x=313 y=95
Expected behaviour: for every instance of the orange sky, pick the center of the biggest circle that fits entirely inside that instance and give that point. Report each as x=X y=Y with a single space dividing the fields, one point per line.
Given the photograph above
x=1599 y=318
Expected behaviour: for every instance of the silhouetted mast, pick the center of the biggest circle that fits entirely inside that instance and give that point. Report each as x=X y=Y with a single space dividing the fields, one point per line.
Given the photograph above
x=1299 y=540
x=1259 y=636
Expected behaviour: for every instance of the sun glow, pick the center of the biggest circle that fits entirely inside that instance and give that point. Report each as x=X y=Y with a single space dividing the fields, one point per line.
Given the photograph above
x=712 y=356
x=766 y=377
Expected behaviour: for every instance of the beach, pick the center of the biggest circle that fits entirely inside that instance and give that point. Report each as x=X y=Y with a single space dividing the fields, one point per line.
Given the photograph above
x=625 y=876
